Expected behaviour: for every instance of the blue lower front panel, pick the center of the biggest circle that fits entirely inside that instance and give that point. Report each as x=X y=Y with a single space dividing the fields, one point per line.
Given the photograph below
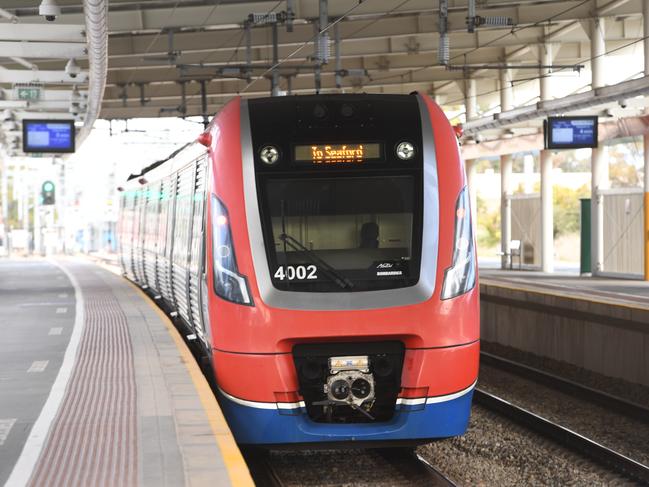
x=252 y=425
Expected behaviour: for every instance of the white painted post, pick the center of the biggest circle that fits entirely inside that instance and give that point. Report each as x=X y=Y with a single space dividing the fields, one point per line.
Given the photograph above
x=37 y=219
x=506 y=103
x=598 y=157
x=545 y=160
x=471 y=111
x=4 y=188
x=505 y=208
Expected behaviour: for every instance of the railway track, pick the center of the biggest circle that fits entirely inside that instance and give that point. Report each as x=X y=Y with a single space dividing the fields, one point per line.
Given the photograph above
x=564 y=436
x=410 y=468
x=416 y=469
x=610 y=402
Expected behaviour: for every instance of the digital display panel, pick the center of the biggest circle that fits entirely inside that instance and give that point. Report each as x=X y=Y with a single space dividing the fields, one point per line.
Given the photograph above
x=48 y=136
x=337 y=153
x=571 y=132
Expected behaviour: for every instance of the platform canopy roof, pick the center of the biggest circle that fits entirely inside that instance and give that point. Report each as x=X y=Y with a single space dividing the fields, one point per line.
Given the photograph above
x=159 y=49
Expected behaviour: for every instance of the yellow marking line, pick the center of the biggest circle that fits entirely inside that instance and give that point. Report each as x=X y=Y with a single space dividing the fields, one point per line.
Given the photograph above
x=568 y=295
x=232 y=458
x=234 y=462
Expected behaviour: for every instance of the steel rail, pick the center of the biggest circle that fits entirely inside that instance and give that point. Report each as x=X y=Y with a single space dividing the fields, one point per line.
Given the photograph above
x=260 y=467
x=564 y=436
x=580 y=391
x=414 y=468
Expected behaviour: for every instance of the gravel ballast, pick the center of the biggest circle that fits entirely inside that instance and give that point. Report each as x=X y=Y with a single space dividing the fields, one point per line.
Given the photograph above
x=618 y=432
x=496 y=452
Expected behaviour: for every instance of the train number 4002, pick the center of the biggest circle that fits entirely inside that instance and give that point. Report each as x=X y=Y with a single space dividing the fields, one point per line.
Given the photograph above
x=299 y=272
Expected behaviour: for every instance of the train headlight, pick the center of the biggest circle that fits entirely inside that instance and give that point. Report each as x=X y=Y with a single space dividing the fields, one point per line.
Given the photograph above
x=405 y=151
x=361 y=388
x=340 y=389
x=228 y=283
x=269 y=155
x=460 y=277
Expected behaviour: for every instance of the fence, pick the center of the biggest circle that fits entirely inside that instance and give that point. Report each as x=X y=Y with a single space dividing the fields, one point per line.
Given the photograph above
x=526 y=227
x=623 y=229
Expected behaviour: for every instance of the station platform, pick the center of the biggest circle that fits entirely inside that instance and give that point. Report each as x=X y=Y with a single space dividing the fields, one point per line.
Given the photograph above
x=98 y=388
x=634 y=293
x=599 y=324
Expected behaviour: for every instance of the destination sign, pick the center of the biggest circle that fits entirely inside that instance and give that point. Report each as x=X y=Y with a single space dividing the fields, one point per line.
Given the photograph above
x=337 y=153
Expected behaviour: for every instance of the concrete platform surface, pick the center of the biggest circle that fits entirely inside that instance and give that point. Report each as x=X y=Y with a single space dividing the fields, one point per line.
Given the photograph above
x=98 y=388
x=633 y=293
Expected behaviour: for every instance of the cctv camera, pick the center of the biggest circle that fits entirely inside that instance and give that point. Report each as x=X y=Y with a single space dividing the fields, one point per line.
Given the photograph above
x=49 y=9
x=72 y=69
x=622 y=103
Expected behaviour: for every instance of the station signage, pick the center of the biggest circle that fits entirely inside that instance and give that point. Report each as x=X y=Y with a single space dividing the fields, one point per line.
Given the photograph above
x=570 y=132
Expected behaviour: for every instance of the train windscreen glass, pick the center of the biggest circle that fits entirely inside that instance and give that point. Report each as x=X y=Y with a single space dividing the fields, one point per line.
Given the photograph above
x=342 y=235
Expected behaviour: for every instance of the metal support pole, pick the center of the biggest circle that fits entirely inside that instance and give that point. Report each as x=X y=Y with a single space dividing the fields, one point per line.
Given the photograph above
x=5 y=205
x=337 y=54
x=597 y=52
x=290 y=15
x=547 y=216
x=183 y=99
x=23 y=211
x=598 y=182
x=318 y=78
x=470 y=99
x=323 y=37
x=248 y=35
x=204 y=102
x=545 y=59
x=61 y=208
x=38 y=249
x=274 y=80
x=505 y=208
x=473 y=194
x=506 y=103
x=598 y=156
x=645 y=23
x=545 y=160
x=506 y=90
x=443 y=49
x=470 y=103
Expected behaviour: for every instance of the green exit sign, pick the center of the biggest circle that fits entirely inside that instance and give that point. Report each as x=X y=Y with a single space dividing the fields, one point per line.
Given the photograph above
x=28 y=93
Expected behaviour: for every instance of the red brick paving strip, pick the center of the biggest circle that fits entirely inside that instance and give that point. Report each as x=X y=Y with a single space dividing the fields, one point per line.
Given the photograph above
x=93 y=440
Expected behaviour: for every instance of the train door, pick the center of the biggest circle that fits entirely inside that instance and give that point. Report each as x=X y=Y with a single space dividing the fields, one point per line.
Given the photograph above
x=196 y=249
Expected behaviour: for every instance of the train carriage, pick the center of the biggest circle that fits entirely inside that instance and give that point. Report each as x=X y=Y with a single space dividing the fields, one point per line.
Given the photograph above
x=320 y=250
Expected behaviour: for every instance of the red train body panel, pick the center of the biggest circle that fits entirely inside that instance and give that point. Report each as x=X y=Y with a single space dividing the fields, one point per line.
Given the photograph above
x=272 y=349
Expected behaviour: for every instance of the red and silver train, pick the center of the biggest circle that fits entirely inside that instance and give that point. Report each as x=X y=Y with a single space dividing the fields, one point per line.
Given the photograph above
x=320 y=251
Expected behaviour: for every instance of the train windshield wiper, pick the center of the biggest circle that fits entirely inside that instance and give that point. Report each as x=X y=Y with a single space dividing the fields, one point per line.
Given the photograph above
x=327 y=269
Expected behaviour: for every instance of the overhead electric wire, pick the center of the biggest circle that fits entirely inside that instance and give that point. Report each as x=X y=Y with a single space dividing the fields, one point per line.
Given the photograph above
x=153 y=41
x=303 y=45
x=159 y=33
x=234 y=53
x=514 y=30
x=511 y=32
x=527 y=80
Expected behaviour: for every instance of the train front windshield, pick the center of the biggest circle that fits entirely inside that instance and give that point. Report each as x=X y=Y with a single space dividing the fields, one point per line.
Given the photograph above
x=342 y=234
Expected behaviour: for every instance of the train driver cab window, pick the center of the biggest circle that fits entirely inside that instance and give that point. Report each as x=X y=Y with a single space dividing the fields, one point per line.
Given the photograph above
x=342 y=235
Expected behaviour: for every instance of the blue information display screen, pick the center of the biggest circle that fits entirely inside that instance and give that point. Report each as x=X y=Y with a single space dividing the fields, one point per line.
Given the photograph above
x=571 y=132
x=48 y=136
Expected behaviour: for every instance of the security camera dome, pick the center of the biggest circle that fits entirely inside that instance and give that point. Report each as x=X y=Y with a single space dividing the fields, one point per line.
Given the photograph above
x=72 y=68
x=49 y=9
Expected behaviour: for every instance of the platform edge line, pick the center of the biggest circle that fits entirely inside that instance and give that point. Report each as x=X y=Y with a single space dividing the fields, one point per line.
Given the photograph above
x=537 y=290
x=232 y=458
x=24 y=466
